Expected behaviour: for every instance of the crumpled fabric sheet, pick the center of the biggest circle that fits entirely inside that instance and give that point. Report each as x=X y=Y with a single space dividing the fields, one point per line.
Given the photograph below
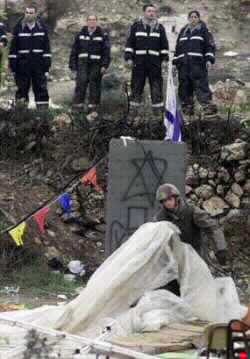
x=152 y=257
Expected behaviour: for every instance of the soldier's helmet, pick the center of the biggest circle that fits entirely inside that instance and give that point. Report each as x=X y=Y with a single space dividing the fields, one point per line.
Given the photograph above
x=166 y=191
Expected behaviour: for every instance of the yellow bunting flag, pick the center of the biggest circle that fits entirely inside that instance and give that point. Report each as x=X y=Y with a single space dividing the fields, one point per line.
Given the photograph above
x=17 y=233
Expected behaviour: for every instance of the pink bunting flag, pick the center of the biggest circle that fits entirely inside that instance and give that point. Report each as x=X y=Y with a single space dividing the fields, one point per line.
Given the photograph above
x=90 y=178
x=39 y=218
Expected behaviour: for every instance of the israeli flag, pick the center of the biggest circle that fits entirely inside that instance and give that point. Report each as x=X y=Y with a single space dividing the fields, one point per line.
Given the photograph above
x=172 y=117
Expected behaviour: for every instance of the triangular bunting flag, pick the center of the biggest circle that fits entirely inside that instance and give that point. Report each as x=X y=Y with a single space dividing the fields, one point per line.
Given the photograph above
x=17 y=233
x=39 y=218
x=64 y=201
x=90 y=178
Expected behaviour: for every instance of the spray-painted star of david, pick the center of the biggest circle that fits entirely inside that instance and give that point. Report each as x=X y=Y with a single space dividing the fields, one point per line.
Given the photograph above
x=157 y=173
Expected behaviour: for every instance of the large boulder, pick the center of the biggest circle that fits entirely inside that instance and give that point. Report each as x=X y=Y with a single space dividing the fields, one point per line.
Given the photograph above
x=204 y=191
x=236 y=151
x=232 y=199
x=215 y=206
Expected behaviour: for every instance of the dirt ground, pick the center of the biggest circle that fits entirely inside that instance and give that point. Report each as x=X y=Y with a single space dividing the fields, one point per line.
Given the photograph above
x=29 y=178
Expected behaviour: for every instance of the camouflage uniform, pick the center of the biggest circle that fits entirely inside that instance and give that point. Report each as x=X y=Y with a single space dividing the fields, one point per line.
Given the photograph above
x=197 y=226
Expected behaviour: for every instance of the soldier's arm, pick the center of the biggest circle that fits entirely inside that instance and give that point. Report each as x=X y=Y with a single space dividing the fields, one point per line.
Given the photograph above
x=210 y=228
x=73 y=59
x=164 y=50
x=47 y=52
x=130 y=45
x=105 y=61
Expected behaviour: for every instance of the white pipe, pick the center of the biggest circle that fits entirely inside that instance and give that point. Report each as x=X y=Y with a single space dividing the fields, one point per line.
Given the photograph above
x=95 y=345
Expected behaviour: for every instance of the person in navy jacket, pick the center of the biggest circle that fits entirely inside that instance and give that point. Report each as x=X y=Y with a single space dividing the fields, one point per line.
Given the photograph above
x=89 y=60
x=30 y=58
x=3 y=44
x=194 y=55
x=3 y=37
x=146 y=53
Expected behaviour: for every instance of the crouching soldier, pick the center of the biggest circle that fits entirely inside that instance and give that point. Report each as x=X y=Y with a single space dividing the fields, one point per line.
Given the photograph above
x=146 y=50
x=30 y=58
x=194 y=55
x=195 y=225
x=89 y=58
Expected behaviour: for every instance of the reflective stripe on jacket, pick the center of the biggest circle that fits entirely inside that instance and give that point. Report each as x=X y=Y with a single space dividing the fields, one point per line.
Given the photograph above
x=146 y=44
x=90 y=47
x=194 y=46
x=3 y=37
x=30 y=47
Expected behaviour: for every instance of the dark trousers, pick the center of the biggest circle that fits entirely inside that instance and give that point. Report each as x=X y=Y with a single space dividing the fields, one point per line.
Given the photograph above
x=88 y=75
x=139 y=75
x=38 y=81
x=1 y=67
x=193 y=79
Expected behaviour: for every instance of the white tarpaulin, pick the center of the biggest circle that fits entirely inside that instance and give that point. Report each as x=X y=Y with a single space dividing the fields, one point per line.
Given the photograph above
x=151 y=258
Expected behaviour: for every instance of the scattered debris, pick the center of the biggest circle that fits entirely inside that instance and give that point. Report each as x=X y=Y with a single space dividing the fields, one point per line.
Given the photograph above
x=10 y=290
x=76 y=267
x=231 y=53
x=11 y=307
x=70 y=277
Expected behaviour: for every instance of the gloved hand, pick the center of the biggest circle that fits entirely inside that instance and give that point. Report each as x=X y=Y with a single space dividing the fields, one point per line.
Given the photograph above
x=73 y=75
x=129 y=64
x=175 y=71
x=164 y=66
x=103 y=70
x=222 y=257
x=208 y=65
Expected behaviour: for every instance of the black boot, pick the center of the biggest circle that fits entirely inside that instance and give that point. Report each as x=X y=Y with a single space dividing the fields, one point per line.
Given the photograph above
x=188 y=110
x=158 y=114
x=209 y=109
x=42 y=107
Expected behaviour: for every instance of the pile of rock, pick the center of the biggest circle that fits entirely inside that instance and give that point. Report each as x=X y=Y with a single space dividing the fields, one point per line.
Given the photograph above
x=221 y=186
x=230 y=93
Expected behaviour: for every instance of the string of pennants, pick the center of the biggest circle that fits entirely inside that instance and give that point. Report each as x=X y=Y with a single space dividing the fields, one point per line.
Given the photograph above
x=17 y=231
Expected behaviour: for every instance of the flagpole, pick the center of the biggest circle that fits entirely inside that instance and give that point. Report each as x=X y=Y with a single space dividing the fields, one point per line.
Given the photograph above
x=170 y=69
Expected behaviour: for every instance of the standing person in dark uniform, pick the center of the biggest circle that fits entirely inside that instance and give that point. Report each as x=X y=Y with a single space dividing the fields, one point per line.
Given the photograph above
x=89 y=58
x=145 y=53
x=194 y=55
x=30 y=58
x=3 y=44
x=3 y=37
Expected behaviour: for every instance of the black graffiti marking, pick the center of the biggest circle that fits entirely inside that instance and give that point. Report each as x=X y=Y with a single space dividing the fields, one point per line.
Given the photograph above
x=158 y=174
x=118 y=234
